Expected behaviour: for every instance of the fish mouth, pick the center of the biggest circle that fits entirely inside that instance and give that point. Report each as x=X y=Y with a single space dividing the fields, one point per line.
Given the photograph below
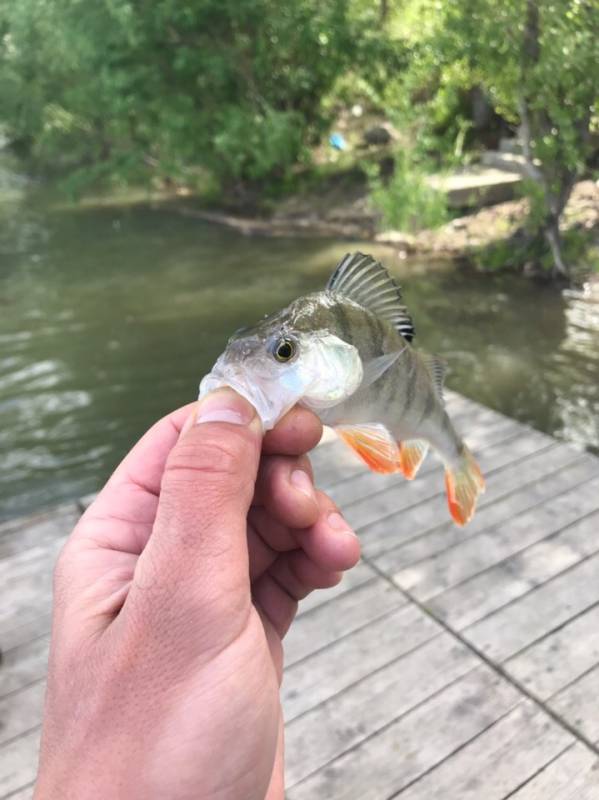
x=215 y=380
x=259 y=392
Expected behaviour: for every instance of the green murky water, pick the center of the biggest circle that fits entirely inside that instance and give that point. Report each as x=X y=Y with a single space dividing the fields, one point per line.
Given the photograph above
x=110 y=316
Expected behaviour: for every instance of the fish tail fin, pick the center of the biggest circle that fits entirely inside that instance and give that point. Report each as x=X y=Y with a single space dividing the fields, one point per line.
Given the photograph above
x=464 y=484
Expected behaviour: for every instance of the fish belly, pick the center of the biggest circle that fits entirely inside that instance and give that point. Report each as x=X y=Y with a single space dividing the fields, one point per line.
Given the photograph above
x=418 y=412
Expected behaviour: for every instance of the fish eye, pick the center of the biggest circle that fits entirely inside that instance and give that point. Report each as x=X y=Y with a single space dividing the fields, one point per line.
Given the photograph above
x=284 y=350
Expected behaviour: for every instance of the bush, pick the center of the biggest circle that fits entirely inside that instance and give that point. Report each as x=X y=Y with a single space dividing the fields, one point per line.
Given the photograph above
x=167 y=87
x=406 y=201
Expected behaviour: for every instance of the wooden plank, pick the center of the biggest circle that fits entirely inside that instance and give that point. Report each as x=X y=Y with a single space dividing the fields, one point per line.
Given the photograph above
x=366 y=483
x=21 y=711
x=27 y=583
x=489 y=590
x=510 y=491
x=477 y=553
x=411 y=493
x=578 y=704
x=10 y=524
x=361 y=573
x=334 y=463
x=21 y=631
x=13 y=524
x=528 y=619
x=559 y=659
x=23 y=665
x=424 y=499
x=572 y=776
x=38 y=531
x=18 y=762
x=344 y=614
x=499 y=760
x=419 y=740
x=310 y=682
x=85 y=502
x=330 y=729
x=26 y=793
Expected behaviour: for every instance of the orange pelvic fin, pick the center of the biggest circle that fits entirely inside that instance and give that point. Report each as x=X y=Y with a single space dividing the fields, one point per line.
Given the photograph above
x=411 y=456
x=373 y=444
x=463 y=484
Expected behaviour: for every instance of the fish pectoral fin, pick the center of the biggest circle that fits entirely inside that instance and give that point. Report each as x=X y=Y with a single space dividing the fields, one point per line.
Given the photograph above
x=463 y=484
x=373 y=444
x=411 y=456
x=376 y=367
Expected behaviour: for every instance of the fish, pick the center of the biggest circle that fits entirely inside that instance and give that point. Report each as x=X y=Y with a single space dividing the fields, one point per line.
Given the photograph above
x=346 y=354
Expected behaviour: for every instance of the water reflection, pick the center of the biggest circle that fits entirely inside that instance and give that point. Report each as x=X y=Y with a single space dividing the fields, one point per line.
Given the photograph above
x=578 y=358
x=109 y=317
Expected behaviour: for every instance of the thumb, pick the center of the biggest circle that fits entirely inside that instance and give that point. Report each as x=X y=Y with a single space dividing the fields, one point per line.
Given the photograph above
x=198 y=546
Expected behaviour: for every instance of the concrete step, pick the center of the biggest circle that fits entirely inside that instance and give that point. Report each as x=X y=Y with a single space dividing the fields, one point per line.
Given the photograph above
x=510 y=162
x=477 y=187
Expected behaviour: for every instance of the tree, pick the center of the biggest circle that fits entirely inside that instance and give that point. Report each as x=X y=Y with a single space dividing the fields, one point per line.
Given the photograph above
x=133 y=90
x=537 y=59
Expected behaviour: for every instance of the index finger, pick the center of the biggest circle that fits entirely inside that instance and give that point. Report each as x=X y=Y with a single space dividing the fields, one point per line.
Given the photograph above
x=144 y=464
x=297 y=432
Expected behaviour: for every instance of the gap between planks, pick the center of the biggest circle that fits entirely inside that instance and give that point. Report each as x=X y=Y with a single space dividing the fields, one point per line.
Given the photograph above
x=496 y=667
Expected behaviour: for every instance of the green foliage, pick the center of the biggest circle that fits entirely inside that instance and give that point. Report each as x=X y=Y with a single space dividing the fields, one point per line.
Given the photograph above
x=406 y=201
x=535 y=62
x=237 y=95
x=546 y=62
x=520 y=253
x=235 y=88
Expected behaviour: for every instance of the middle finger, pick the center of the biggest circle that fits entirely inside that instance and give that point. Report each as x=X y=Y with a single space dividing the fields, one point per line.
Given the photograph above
x=285 y=488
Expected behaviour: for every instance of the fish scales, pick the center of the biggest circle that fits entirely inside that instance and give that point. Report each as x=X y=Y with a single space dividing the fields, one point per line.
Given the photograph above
x=346 y=354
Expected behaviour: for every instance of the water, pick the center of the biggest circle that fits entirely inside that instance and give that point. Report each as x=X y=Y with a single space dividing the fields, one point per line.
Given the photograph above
x=110 y=316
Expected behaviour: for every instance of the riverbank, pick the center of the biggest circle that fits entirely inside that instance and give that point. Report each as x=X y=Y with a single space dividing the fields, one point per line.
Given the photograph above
x=345 y=212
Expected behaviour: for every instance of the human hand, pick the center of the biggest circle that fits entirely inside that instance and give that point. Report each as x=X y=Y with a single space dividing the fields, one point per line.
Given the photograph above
x=172 y=596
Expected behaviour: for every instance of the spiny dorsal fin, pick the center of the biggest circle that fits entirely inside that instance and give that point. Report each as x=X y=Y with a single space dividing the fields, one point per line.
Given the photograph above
x=437 y=369
x=366 y=281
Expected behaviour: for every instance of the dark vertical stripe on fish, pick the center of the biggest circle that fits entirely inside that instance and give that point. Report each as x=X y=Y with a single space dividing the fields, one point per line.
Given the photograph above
x=429 y=406
x=381 y=326
x=374 y=335
x=343 y=322
x=390 y=389
x=410 y=385
x=399 y=372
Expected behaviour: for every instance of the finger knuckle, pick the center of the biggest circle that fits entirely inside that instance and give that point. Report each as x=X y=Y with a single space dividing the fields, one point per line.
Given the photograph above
x=224 y=457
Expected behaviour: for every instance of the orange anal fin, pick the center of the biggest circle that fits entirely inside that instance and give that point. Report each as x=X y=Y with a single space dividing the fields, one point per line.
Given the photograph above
x=411 y=456
x=373 y=444
x=463 y=486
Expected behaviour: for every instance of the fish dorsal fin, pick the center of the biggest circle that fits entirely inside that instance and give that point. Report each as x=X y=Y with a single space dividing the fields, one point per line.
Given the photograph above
x=437 y=369
x=374 y=444
x=366 y=281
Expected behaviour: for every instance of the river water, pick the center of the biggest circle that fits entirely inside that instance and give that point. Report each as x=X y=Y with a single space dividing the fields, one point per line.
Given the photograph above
x=109 y=316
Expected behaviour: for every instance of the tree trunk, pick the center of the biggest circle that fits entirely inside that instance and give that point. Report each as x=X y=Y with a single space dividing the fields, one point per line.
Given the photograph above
x=384 y=11
x=534 y=125
x=554 y=240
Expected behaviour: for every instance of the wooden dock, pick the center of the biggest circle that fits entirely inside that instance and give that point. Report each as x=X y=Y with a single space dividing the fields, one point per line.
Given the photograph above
x=450 y=664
